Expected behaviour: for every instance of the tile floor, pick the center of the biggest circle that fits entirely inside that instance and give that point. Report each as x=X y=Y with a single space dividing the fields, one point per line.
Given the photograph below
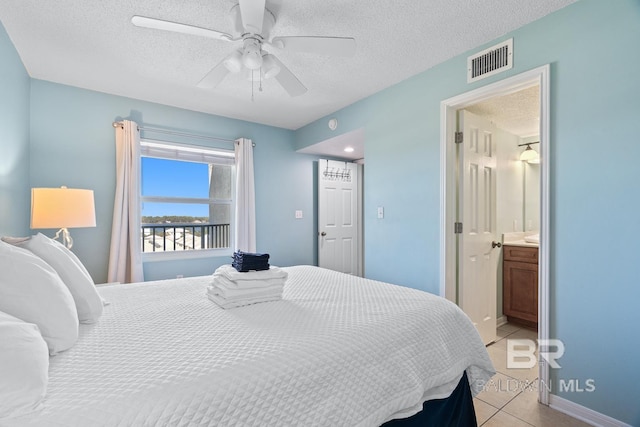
x=511 y=396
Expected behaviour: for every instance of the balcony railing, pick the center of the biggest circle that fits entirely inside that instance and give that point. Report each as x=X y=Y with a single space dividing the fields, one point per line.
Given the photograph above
x=184 y=237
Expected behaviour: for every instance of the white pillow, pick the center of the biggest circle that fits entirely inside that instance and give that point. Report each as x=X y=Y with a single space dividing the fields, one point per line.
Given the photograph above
x=31 y=290
x=71 y=271
x=24 y=366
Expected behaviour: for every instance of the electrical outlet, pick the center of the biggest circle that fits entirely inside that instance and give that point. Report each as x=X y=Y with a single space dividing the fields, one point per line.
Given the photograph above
x=380 y=212
x=298 y=214
x=179 y=276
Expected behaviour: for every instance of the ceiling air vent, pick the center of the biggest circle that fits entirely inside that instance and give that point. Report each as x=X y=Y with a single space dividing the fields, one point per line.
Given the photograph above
x=490 y=61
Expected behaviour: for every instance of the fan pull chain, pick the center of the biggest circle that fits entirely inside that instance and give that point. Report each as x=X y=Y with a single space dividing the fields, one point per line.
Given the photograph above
x=251 y=85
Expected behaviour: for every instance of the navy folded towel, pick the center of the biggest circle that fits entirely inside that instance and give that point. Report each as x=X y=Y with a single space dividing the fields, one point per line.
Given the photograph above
x=247 y=261
x=250 y=256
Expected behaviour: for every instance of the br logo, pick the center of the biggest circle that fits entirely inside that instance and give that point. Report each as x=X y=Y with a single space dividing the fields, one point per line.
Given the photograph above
x=521 y=353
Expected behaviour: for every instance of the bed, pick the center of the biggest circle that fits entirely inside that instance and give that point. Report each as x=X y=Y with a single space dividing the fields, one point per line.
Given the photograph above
x=337 y=350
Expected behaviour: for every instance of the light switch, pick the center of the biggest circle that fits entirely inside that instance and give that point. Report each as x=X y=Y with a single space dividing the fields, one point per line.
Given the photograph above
x=298 y=214
x=380 y=212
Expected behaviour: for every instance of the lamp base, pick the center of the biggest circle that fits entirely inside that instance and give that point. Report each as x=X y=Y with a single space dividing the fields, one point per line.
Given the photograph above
x=66 y=237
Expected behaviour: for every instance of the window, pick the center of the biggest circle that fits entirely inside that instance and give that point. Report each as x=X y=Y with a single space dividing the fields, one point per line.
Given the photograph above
x=187 y=197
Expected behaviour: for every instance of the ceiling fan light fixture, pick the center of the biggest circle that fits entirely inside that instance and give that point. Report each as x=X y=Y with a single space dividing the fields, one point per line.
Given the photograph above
x=252 y=56
x=252 y=60
x=269 y=66
x=233 y=62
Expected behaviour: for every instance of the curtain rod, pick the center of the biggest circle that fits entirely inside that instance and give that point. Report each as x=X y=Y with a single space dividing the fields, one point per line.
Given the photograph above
x=177 y=133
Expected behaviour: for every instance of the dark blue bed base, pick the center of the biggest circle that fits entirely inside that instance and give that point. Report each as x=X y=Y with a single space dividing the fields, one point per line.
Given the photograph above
x=454 y=411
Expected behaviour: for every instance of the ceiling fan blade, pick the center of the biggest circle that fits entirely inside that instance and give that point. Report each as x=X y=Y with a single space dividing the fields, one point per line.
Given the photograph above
x=159 y=24
x=214 y=77
x=288 y=80
x=331 y=46
x=252 y=12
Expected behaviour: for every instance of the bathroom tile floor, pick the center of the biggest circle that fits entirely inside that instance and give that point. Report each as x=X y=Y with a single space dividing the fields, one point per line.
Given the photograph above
x=510 y=398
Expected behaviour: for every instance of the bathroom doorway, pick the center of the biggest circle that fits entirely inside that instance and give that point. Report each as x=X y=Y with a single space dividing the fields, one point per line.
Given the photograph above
x=451 y=264
x=510 y=127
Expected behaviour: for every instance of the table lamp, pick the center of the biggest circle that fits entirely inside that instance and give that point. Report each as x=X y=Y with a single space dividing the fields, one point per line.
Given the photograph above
x=62 y=208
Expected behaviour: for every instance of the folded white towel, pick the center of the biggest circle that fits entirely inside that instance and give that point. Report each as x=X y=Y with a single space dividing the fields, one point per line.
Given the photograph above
x=236 y=294
x=233 y=304
x=246 y=284
x=231 y=273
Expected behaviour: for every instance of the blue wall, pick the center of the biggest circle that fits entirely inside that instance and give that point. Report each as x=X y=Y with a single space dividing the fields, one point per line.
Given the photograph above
x=593 y=49
x=15 y=195
x=72 y=144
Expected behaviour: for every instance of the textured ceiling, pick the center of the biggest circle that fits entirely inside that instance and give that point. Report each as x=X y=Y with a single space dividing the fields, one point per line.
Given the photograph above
x=517 y=113
x=93 y=45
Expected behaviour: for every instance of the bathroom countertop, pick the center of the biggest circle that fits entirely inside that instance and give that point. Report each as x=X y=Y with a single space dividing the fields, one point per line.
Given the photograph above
x=521 y=243
x=521 y=238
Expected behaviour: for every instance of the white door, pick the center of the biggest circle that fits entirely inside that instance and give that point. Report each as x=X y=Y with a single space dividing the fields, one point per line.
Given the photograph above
x=338 y=216
x=478 y=258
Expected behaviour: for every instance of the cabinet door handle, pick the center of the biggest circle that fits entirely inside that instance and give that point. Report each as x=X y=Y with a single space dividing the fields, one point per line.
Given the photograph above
x=496 y=245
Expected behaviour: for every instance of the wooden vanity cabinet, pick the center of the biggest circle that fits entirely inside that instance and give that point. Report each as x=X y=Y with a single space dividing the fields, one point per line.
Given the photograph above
x=520 y=285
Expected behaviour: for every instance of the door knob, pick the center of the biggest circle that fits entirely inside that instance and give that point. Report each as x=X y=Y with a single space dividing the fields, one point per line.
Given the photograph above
x=323 y=234
x=496 y=244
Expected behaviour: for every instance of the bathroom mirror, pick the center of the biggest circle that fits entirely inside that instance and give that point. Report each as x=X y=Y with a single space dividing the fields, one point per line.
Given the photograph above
x=531 y=196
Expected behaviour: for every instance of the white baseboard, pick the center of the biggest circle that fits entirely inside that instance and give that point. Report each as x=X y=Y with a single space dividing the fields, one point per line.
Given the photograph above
x=502 y=320
x=583 y=413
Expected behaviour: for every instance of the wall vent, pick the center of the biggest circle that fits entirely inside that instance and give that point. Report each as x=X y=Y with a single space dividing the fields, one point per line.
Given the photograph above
x=493 y=60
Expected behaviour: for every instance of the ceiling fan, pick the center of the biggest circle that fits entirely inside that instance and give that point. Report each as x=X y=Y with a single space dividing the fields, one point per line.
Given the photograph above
x=253 y=21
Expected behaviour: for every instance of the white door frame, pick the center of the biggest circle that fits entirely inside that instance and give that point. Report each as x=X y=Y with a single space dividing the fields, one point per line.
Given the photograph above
x=335 y=234
x=448 y=110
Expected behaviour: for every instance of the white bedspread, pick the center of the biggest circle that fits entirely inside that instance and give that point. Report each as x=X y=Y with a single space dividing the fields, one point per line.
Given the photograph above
x=336 y=351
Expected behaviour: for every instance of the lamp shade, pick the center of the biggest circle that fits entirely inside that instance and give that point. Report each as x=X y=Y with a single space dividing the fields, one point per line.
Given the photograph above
x=233 y=62
x=62 y=208
x=252 y=59
x=535 y=161
x=529 y=155
x=252 y=54
x=269 y=66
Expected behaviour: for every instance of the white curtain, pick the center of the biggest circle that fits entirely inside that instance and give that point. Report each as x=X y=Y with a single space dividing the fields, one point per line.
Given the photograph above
x=125 y=259
x=245 y=197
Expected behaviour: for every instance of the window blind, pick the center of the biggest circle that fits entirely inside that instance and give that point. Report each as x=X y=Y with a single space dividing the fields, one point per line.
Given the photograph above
x=189 y=153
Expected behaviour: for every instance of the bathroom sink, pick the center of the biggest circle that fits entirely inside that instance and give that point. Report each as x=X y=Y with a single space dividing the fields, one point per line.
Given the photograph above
x=534 y=238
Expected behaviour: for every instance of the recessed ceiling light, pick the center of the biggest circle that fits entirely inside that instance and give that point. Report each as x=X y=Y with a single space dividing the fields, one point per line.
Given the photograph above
x=349 y=149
